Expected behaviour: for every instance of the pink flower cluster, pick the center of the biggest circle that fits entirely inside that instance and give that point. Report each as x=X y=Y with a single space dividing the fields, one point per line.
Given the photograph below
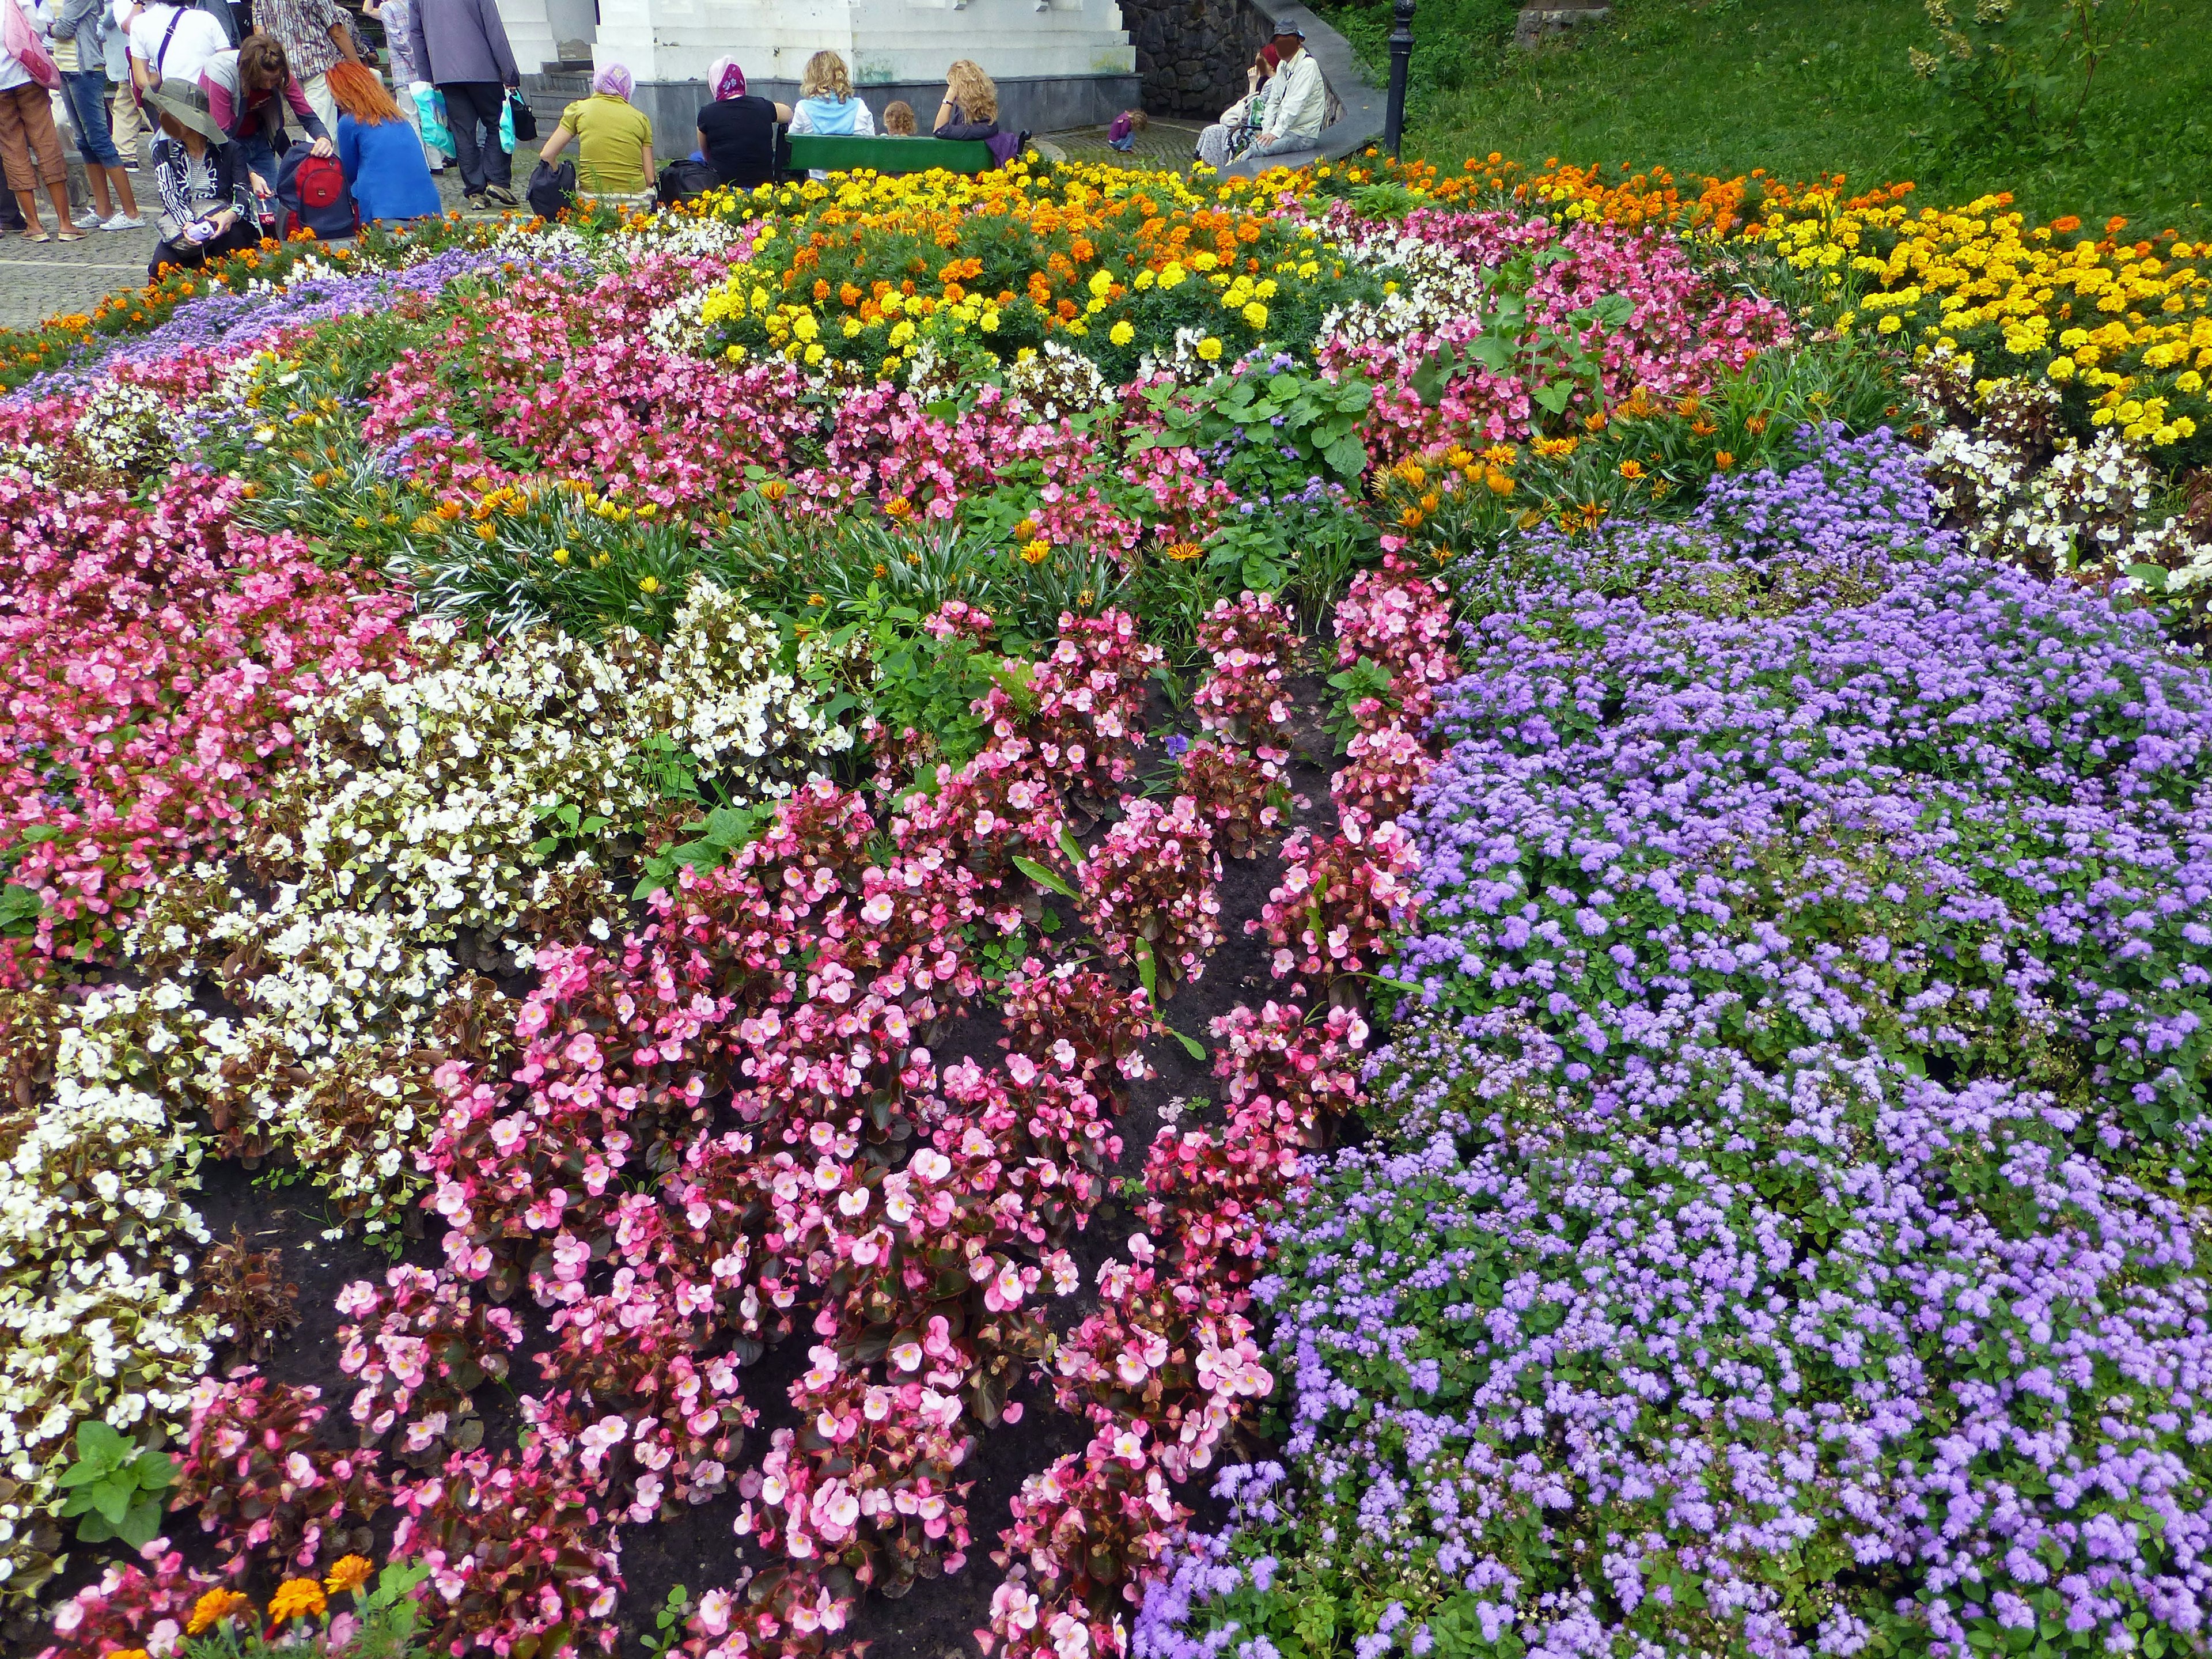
x=1167 y=1365
x=1684 y=329
x=132 y=1607
x=152 y=658
x=1254 y=647
x=422 y=1345
x=264 y=1482
x=568 y=370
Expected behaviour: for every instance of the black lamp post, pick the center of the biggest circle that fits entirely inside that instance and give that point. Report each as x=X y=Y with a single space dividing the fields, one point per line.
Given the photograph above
x=1401 y=53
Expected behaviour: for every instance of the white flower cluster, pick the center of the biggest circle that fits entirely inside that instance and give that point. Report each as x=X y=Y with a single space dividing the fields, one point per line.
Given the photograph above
x=94 y=1282
x=440 y=822
x=1055 y=382
x=2062 y=507
x=424 y=793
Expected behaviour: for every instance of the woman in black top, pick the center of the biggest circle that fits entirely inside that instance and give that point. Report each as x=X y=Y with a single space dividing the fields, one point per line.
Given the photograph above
x=970 y=108
x=739 y=135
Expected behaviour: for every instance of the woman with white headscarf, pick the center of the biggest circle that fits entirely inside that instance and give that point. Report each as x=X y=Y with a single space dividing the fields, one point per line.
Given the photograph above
x=739 y=134
x=614 y=137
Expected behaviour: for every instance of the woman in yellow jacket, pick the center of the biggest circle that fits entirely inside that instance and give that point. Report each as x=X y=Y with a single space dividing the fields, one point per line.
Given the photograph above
x=614 y=137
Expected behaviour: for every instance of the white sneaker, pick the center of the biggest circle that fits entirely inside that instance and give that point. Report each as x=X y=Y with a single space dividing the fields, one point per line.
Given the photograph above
x=122 y=221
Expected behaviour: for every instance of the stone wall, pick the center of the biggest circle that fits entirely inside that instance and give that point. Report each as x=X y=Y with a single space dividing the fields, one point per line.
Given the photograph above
x=1191 y=54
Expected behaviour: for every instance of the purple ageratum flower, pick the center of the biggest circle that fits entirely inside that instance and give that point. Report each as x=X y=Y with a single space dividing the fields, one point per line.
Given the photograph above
x=1701 y=1321
x=1933 y=806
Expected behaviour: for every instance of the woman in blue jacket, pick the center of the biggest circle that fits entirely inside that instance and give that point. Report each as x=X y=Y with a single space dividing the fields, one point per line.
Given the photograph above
x=379 y=151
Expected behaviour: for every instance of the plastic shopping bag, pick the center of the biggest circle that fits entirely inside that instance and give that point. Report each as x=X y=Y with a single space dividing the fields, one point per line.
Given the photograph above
x=505 y=125
x=430 y=110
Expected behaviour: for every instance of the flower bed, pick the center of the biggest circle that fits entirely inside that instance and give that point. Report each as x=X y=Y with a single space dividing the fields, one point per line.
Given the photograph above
x=841 y=939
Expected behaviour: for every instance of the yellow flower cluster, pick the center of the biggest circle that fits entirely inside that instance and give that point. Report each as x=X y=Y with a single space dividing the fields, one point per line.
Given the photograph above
x=2127 y=325
x=867 y=271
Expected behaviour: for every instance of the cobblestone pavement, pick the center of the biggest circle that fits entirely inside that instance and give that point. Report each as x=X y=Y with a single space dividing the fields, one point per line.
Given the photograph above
x=38 y=280
x=1166 y=145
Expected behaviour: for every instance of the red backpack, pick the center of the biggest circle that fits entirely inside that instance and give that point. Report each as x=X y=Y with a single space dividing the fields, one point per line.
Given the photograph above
x=313 y=189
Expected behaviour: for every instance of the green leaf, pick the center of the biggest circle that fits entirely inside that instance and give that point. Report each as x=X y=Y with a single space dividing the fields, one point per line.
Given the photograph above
x=1191 y=1044
x=98 y=1447
x=138 y=1528
x=1043 y=878
x=1071 y=847
x=1348 y=456
x=1553 y=396
x=111 y=1498
x=19 y=911
x=1147 y=969
x=157 y=1470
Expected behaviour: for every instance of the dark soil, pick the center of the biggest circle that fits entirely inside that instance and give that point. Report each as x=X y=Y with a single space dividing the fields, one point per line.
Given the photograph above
x=698 y=1549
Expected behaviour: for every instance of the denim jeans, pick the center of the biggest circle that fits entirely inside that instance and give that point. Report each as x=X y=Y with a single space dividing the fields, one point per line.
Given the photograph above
x=87 y=91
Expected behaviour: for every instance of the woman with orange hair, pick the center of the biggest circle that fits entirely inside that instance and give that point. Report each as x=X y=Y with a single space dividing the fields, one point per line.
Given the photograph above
x=379 y=151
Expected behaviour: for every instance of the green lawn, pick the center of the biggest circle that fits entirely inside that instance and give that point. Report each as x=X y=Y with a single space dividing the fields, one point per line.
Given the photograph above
x=1803 y=87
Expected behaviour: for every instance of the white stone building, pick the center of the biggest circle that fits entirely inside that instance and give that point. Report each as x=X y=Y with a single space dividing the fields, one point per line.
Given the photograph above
x=1059 y=64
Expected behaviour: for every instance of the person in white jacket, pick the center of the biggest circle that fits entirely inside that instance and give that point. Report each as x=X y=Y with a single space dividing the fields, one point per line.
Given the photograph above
x=1297 y=99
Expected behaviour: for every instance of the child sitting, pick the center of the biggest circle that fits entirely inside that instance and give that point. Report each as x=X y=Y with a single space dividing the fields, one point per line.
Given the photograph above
x=898 y=119
x=1122 y=134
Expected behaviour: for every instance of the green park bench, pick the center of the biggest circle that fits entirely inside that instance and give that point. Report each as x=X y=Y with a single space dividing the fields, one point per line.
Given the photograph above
x=842 y=153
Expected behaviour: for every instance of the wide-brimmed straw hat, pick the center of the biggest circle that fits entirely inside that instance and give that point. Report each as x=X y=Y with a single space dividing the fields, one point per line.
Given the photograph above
x=188 y=101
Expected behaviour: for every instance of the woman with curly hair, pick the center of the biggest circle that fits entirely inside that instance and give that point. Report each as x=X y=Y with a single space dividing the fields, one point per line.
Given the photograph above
x=826 y=104
x=970 y=108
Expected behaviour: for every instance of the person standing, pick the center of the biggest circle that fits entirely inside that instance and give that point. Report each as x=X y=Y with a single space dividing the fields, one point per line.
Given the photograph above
x=75 y=27
x=397 y=17
x=30 y=147
x=126 y=121
x=167 y=42
x=1297 y=99
x=464 y=47
x=314 y=34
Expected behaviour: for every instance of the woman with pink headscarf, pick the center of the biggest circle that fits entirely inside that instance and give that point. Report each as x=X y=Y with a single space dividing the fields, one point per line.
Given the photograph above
x=740 y=135
x=614 y=137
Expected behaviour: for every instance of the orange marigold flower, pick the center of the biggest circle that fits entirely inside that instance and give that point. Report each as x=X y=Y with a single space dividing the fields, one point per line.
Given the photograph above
x=1723 y=460
x=349 y=1575
x=1182 y=552
x=296 y=1598
x=212 y=1609
x=1632 y=471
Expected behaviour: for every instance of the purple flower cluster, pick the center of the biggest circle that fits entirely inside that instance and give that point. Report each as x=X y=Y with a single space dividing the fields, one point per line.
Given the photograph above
x=1807 y=1359
x=242 y=320
x=1780 y=1240
x=1963 y=819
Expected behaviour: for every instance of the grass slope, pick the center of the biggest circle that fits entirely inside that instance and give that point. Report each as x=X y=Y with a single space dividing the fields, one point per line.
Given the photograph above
x=1806 y=86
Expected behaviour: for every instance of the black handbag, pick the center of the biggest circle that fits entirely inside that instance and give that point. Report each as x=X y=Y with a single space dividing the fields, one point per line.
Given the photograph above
x=552 y=188
x=683 y=178
x=526 y=118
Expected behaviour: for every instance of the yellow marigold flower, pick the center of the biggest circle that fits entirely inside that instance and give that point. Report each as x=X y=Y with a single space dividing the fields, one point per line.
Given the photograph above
x=775 y=489
x=560 y=555
x=1632 y=471
x=1256 y=314
x=897 y=508
x=349 y=1574
x=212 y=1609
x=1037 y=552
x=1210 y=349
x=129 y=1653
x=1121 y=333
x=1182 y=552
x=650 y=583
